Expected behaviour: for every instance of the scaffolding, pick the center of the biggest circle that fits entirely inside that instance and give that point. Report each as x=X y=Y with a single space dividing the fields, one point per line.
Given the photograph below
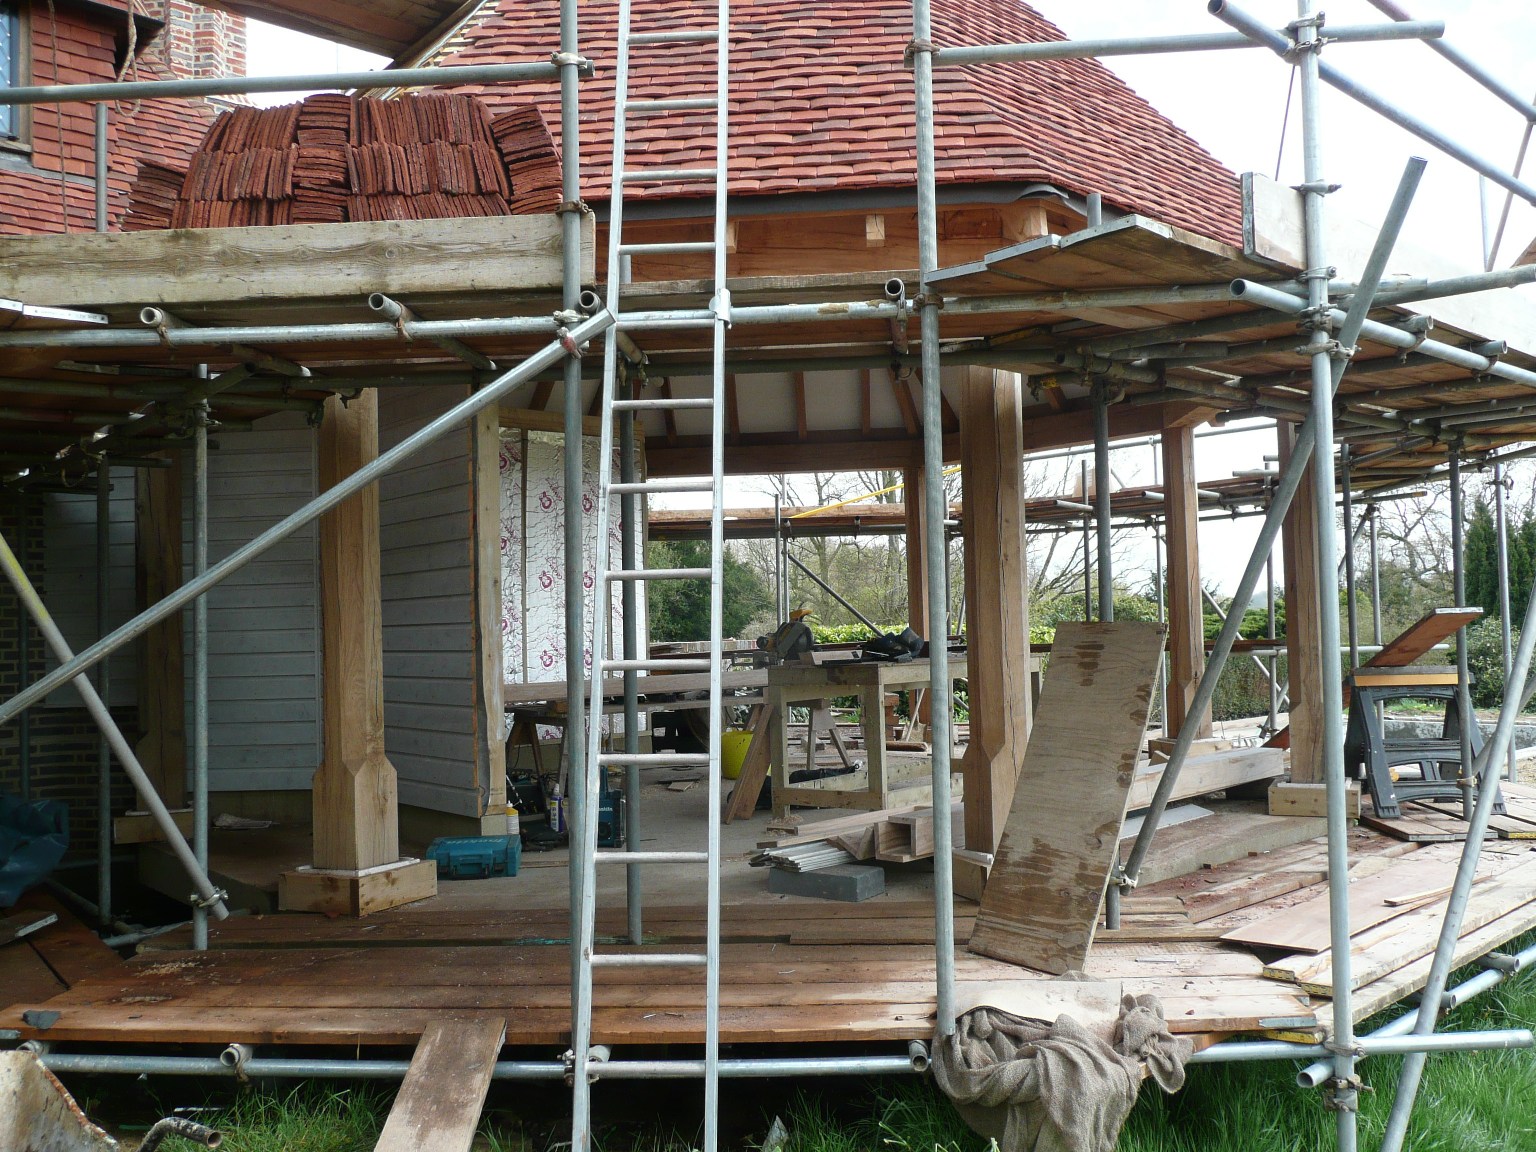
x=1331 y=344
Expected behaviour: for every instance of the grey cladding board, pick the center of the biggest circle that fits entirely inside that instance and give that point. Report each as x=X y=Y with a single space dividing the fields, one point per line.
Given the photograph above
x=264 y=677
x=68 y=579
x=426 y=554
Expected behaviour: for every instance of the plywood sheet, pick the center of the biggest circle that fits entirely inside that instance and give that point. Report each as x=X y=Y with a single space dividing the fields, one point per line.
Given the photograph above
x=440 y=1101
x=1058 y=847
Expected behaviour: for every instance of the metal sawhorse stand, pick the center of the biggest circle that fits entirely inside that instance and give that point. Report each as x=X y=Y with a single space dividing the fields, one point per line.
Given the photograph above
x=1368 y=751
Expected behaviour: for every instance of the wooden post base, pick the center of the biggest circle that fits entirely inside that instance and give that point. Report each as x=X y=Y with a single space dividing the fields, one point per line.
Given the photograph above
x=140 y=827
x=338 y=892
x=1288 y=799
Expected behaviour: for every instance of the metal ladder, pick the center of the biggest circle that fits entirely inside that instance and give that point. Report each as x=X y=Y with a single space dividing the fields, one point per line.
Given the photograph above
x=584 y=1067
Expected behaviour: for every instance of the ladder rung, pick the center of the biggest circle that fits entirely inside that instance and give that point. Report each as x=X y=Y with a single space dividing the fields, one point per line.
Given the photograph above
x=675 y=404
x=653 y=857
x=673 y=104
x=649 y=960
x=666 y=248
x=656 y=666
x=661 y=574
x=677 y=36
x=654 y=759
x=665 y=484
x=670 y=175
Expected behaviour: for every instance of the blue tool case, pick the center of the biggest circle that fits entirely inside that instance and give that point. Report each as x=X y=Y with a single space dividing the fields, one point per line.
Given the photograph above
x=476 y=857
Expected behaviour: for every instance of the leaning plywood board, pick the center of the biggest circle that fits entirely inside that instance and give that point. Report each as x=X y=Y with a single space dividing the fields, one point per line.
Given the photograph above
x=1059 y=844
x=1373 y=900
x=439 y=1103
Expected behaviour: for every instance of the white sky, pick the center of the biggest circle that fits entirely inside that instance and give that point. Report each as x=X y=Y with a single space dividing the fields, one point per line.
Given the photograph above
x=1234 y=103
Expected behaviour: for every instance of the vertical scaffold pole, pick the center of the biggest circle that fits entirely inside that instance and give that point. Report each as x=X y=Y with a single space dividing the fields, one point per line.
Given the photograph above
x=1344 y=1085
x=200 y=663
x=575 y=601
x=104 y=687
x=1459 y=595
x=935 y=514
x=1347 y=495
x=1101 y=504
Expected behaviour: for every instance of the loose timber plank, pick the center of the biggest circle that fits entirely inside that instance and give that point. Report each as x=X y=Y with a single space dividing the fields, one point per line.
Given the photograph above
x=1042 y=899
x=209 y=265
x=1421 y=636
x=439 y=1104
x=754 y=766
x=1305 y=927
x=1216 y=772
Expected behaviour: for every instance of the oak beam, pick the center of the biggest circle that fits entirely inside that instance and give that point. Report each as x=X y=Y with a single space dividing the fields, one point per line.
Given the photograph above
x=997 y=602
x=162 y=690
x=1303 y=624
x=1186 y=619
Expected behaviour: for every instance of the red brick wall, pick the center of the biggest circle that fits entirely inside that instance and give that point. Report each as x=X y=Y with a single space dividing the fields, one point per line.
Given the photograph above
x=73 y=46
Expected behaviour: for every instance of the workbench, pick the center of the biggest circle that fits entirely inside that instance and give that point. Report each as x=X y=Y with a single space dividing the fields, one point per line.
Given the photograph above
x=806 y=684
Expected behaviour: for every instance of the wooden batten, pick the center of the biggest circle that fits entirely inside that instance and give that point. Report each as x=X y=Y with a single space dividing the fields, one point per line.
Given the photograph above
x=1186 y=620
x=913 y=481
x=997 y=606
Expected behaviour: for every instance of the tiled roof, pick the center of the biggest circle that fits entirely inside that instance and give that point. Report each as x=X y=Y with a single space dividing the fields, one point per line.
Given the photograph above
x=821 y=100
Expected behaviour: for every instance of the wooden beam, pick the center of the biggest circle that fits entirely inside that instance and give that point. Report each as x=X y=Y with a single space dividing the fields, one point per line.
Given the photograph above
x=1024 y=220
x=1044 y=428
x=1303 y=626
x=888 y=448
x=668 y=416
x=162 y=691
x=904 y=402
x=489 y=715
x=208 y=265
x=542 y=391
x=874 y=230
x=997 y=601
x=732 y=410
x=1186 y=619
x=801 y=426
x=912 y=479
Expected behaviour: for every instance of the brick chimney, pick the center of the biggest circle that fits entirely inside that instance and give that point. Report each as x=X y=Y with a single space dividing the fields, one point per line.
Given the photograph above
x=198 y=42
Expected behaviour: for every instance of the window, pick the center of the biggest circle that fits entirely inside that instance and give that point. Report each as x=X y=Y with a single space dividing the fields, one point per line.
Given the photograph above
x=10 y=66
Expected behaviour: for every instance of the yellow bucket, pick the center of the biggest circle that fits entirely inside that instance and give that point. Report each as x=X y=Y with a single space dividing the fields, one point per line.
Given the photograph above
x=733 y=753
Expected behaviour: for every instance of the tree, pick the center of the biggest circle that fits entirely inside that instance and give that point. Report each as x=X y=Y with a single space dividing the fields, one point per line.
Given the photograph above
x=679 y=609
x=1480 y=554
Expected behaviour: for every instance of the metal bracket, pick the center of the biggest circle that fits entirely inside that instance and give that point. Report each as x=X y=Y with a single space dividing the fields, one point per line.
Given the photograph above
x=913 y=47
x=568 y=343
x=1320 y=187
x=1342 y=1094
x=578 y=206
x=571 y=59
x=720 y=305
x=213 y=898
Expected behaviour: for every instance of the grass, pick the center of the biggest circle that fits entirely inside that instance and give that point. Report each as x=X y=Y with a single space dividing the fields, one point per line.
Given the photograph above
x=1473 y=1101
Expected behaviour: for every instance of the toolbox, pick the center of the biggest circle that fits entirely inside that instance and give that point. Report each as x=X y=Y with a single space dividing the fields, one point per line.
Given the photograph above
x=475 y=857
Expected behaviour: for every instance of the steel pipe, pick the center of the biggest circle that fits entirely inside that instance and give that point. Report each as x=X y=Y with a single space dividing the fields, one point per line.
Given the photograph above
x=961 y=57
x=1501 y=530
x=1473 y=69
x=104 y=687
x=73 y=665
x=199 y=662
x=249 y=85
x=407 y=321
x=1282 y=46
x=935 y=514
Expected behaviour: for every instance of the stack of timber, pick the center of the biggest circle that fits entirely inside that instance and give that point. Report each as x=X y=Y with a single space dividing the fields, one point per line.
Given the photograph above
x=335 y=158
x=888 y=835
x=1441 y=821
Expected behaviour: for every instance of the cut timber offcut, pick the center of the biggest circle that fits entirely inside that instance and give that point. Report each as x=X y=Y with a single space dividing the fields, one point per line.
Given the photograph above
x=1042 y=899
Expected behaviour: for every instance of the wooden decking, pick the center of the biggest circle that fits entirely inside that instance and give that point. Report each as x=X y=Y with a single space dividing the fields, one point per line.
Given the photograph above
x=793 y=972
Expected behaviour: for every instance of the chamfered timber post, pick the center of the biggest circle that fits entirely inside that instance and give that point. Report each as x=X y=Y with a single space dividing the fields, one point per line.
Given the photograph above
x=1303 y=625
x=1186 y=620
x=357 y=865
x=996 y=611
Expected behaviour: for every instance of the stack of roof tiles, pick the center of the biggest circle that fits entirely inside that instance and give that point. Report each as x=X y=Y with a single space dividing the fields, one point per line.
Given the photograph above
x=336 y=158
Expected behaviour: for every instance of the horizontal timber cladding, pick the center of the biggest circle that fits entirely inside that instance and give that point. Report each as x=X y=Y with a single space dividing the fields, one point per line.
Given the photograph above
x=264 y=621
x=426 y=543
x=68 y=579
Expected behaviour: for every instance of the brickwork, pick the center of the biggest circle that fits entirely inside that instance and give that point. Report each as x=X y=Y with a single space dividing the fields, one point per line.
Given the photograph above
x=80 y=45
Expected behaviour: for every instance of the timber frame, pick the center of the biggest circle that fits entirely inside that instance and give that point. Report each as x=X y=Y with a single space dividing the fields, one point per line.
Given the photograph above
x=1045 y=313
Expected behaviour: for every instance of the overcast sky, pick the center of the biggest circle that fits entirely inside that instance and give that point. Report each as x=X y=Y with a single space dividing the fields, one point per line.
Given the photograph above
x=1235 y=104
